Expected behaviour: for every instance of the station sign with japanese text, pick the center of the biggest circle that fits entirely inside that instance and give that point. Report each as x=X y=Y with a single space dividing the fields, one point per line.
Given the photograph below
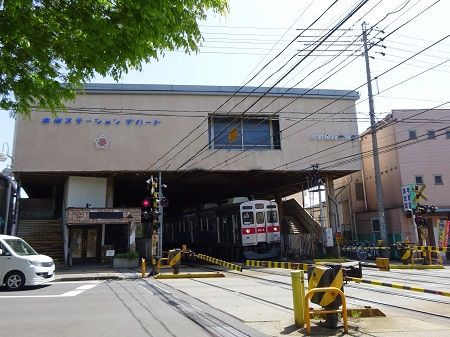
x=105 y=121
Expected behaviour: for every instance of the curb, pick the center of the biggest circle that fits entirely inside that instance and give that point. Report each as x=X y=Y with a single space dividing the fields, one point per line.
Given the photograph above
x=89 y=278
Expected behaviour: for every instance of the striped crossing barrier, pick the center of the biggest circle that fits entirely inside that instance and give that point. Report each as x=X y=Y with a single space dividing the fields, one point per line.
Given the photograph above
x=399 y=286
x=276 y=264
x=430 y=248
x=219 y=262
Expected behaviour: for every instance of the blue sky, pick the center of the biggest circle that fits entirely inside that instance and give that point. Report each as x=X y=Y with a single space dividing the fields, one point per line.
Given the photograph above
x=237 y=45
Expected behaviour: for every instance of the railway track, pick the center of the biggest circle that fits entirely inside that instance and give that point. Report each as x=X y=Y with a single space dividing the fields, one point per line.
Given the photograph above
x=364 y=301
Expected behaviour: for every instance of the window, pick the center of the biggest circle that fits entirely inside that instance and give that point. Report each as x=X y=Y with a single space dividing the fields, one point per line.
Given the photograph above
x=272 y=216
x=412 y=134
x=447 y=134
x=260 y=218
x=431 y=134
x=244 y=133
x=419 y=180
x=359 y=191
x=438 y=180
x=375 y=225
x=247 y=218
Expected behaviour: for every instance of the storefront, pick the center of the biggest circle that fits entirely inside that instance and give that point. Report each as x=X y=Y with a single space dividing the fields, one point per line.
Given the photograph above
x=95 y=234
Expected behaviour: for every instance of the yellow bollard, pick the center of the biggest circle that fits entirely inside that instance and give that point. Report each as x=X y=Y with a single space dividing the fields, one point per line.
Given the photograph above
x=143 y=267
x=298 y=297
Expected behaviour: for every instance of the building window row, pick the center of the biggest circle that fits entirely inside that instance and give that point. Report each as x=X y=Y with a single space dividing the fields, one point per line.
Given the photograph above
x=437 y=179
x=239 y=133
x=431 y=134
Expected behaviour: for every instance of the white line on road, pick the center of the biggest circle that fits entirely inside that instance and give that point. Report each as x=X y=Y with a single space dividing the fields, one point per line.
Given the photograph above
x=71 y=293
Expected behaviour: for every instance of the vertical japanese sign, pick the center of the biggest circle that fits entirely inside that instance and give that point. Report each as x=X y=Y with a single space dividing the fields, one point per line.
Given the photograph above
x=409 y=197
x=447 y=234
x=442 y=227
x=444 y=232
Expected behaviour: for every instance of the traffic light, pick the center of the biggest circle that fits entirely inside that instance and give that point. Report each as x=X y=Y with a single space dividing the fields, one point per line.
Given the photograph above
x=146 y=210
x=421 y=209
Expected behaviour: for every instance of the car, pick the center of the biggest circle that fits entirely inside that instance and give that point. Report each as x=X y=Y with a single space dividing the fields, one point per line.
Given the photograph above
x=21 y=265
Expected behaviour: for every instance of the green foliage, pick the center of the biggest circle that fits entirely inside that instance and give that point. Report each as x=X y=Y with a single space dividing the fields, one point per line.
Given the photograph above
x=47 y=42
x=128 y=255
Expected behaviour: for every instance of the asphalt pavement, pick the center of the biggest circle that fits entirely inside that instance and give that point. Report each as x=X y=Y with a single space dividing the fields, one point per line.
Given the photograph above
x=372 y=326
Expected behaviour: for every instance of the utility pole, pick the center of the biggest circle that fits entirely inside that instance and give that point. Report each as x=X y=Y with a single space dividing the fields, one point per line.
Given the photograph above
x=376 y=162
x=160 y=216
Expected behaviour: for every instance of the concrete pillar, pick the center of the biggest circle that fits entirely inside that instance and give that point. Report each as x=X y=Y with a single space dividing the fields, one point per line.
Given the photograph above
x=331 y=209
x=110 y=192
x=132 y=236
x=284 y=230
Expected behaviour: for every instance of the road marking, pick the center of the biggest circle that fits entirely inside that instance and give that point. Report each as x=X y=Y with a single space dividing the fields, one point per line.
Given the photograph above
x=71 y=293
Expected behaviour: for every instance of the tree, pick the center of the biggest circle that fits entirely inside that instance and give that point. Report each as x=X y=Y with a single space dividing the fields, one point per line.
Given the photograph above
x=44 y=43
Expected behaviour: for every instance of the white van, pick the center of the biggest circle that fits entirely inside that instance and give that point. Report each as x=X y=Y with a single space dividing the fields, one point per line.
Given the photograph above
x=20 y=265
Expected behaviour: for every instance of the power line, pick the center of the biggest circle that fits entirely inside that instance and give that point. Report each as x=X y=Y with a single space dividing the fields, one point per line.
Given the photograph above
x=248 y=95
x=196 y=128
x=354 y=10
x=246 y=150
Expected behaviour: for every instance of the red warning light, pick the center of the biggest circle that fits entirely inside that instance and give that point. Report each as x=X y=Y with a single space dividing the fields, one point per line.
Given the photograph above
x=146 y=202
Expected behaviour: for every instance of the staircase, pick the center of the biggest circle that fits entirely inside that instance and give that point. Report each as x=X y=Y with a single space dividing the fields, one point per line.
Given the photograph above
x=45 y=236
x=301 y=218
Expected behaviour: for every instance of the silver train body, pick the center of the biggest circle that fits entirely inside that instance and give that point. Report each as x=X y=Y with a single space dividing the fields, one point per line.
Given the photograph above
x=242 y=230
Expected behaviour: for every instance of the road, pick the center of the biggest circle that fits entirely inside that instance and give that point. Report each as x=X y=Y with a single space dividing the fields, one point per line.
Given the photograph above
x=255 y=302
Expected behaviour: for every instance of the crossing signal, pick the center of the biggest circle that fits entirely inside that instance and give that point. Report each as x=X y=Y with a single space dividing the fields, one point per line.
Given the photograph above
x=146 y=203
x=146 y=210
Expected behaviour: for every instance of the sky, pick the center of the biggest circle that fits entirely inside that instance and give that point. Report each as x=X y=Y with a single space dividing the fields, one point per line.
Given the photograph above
x=238 y=45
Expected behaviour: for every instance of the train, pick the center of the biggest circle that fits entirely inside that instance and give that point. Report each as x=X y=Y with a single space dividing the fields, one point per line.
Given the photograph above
x=237 y=229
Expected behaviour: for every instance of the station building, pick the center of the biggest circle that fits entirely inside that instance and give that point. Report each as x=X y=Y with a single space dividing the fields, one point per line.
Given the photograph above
x=85 y=170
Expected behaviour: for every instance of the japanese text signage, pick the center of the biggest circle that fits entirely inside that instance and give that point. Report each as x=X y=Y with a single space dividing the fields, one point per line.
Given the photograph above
x=105 y=121
x=444 y=232
x=409 y=197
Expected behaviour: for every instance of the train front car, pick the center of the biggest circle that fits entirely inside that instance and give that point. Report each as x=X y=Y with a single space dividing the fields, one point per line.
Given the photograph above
x=260 y=238
x=272 y=223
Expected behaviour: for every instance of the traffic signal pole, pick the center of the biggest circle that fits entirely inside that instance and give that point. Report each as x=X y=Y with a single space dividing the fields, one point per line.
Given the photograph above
x=376 y=161
x=160 y=217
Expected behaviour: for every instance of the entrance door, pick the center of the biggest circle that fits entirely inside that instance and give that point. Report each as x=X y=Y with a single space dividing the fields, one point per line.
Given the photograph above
x=85 y=244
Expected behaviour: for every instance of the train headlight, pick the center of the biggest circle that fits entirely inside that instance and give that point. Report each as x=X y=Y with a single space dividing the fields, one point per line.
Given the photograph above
x=247 y=231
x=275 y=229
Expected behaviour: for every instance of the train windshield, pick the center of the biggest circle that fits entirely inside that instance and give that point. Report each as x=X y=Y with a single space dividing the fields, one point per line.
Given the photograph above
x=272 y=216
x=247 y=218
x=260 y=218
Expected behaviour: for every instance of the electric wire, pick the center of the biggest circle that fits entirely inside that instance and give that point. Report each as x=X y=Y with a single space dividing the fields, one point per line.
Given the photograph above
x=234 y=94
x=390 y=69
x=258 y=99
x=348 y=16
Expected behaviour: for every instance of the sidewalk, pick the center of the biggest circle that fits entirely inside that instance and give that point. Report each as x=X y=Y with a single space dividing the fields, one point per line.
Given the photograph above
x=93 y=272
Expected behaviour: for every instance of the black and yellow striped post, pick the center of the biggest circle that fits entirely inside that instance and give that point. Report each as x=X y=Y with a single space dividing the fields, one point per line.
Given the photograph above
x=406 y=255
x=174 y=259
x=324 y=276
x=219 y=262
